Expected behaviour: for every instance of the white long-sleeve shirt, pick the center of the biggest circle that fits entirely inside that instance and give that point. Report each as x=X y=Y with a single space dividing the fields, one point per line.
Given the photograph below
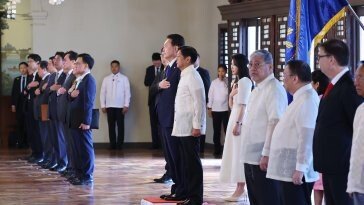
x=115 y=91
x=291 y=146
x=190 y=104
x=356 y=171
x=218 y=96
x=266 y=105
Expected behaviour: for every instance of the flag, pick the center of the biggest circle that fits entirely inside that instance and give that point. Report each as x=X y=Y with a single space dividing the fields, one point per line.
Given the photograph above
x=310 y=20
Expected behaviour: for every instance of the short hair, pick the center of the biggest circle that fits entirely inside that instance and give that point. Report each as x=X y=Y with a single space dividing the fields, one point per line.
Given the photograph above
x=188 y=51
x=301 y=69
x=51 y=58
x=115 y=61
x=176 y=40
x=156 y=57
x=72 y=55
x=59 y=53
x=241 y=61
x=319 y=77
x=23 y=63
x=43 y=65
x=86 y=58
x=223 y=66
x=338 y=49
x=266 y=55
x=35 y=57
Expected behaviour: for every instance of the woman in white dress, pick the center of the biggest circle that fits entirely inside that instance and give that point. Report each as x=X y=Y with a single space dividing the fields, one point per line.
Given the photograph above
x=232 y=167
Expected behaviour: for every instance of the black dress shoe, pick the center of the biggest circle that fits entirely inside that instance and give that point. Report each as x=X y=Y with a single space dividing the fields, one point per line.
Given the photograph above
x=51 y=166
x=185 y=202
x=174 y=198
x=60 y=168
x=163 y=196
x=82 y=182
x=35 y=160
x=163 y=179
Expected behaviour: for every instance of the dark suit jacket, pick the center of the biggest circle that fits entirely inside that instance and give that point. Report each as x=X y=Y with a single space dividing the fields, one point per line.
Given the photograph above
x=165 y=97
x=148 y=81
x=205 y=79
x=334 y=128
x=17 y=98
x=80 y=108
x=53 y=98
x=62 y=100
x=30 y=92
x=40 y=99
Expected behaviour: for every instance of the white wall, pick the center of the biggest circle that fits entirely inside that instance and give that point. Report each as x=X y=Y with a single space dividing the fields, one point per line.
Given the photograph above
x=129 y=31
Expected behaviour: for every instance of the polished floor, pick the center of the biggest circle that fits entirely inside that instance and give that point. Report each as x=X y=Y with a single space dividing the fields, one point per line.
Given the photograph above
x=121 y=177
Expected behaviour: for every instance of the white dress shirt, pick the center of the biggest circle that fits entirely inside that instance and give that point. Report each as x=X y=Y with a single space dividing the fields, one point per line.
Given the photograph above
x=190 y=104
x=291 y=146
x=80 y=78
x=218 y=96
x=356 y=172
x=115 y=91
x=266 y=105
x=339 y=75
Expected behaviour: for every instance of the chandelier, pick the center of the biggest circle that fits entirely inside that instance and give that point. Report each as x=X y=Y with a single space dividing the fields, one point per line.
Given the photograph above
x=11 y=7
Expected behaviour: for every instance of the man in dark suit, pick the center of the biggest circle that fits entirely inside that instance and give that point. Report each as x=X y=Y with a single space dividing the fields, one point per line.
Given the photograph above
x=334 y=125
x=82 y=96
x=165 y=110
x=17 y=104
x=150 y=74
x=62 y=108
x=57 y=133
x=204 y=73
x=32 y=128
x=41 y=99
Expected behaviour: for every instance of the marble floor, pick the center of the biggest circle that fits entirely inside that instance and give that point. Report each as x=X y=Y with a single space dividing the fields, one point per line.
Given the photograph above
x=121 y=177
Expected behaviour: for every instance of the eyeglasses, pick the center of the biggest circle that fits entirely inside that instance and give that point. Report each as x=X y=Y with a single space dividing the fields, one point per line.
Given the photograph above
x=255 y=65
x=322 y=56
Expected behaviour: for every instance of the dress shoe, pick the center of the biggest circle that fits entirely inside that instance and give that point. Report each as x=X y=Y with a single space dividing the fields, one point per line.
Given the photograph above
x=60 y=168
x=174 y=198
x=163 y=196
x=35 y=160
x=82 y=181
x=185 y=202
x=163 y=179
x=51 y=166
x=241 y=198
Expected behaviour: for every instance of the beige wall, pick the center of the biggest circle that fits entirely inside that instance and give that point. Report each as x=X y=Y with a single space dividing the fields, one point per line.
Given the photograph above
x=130 y=31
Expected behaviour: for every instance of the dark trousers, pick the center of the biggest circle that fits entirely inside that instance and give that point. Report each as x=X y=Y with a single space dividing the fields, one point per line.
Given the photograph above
x=84 y=153
x=261 y=190
x=33 y=134
x=296 y=194
x=58 y=142
x=218 y=119
x=21 y=128
x=335 y=189
x=154 y=126
x=201 y=147
x=115 y=116
x=47 y=148
x=164 y=148
x=173 y=161
x=192 y=178
x=70 y=146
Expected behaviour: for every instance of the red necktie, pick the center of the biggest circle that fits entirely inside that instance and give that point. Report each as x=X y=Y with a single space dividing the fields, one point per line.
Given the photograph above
x=328 y=89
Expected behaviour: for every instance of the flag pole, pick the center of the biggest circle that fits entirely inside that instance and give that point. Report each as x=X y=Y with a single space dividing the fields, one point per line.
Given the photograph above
x=356 y=16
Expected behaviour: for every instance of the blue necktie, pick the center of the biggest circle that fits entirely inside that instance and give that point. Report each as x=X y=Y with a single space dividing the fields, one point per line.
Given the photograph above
x=168 y=69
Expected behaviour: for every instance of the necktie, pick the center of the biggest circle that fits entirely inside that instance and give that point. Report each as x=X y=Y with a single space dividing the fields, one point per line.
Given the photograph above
x=328 y=89
x=168 y=68
x=57 y=75
x=22 y=86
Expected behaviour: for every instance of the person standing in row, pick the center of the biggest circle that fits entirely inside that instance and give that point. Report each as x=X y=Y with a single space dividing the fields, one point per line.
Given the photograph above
x=266 y=105
x=356 y=172
x=114 y=101
x=232 y=168
x=218 y=107
x=290 y=158
x=150 y=74
x=334 y=125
